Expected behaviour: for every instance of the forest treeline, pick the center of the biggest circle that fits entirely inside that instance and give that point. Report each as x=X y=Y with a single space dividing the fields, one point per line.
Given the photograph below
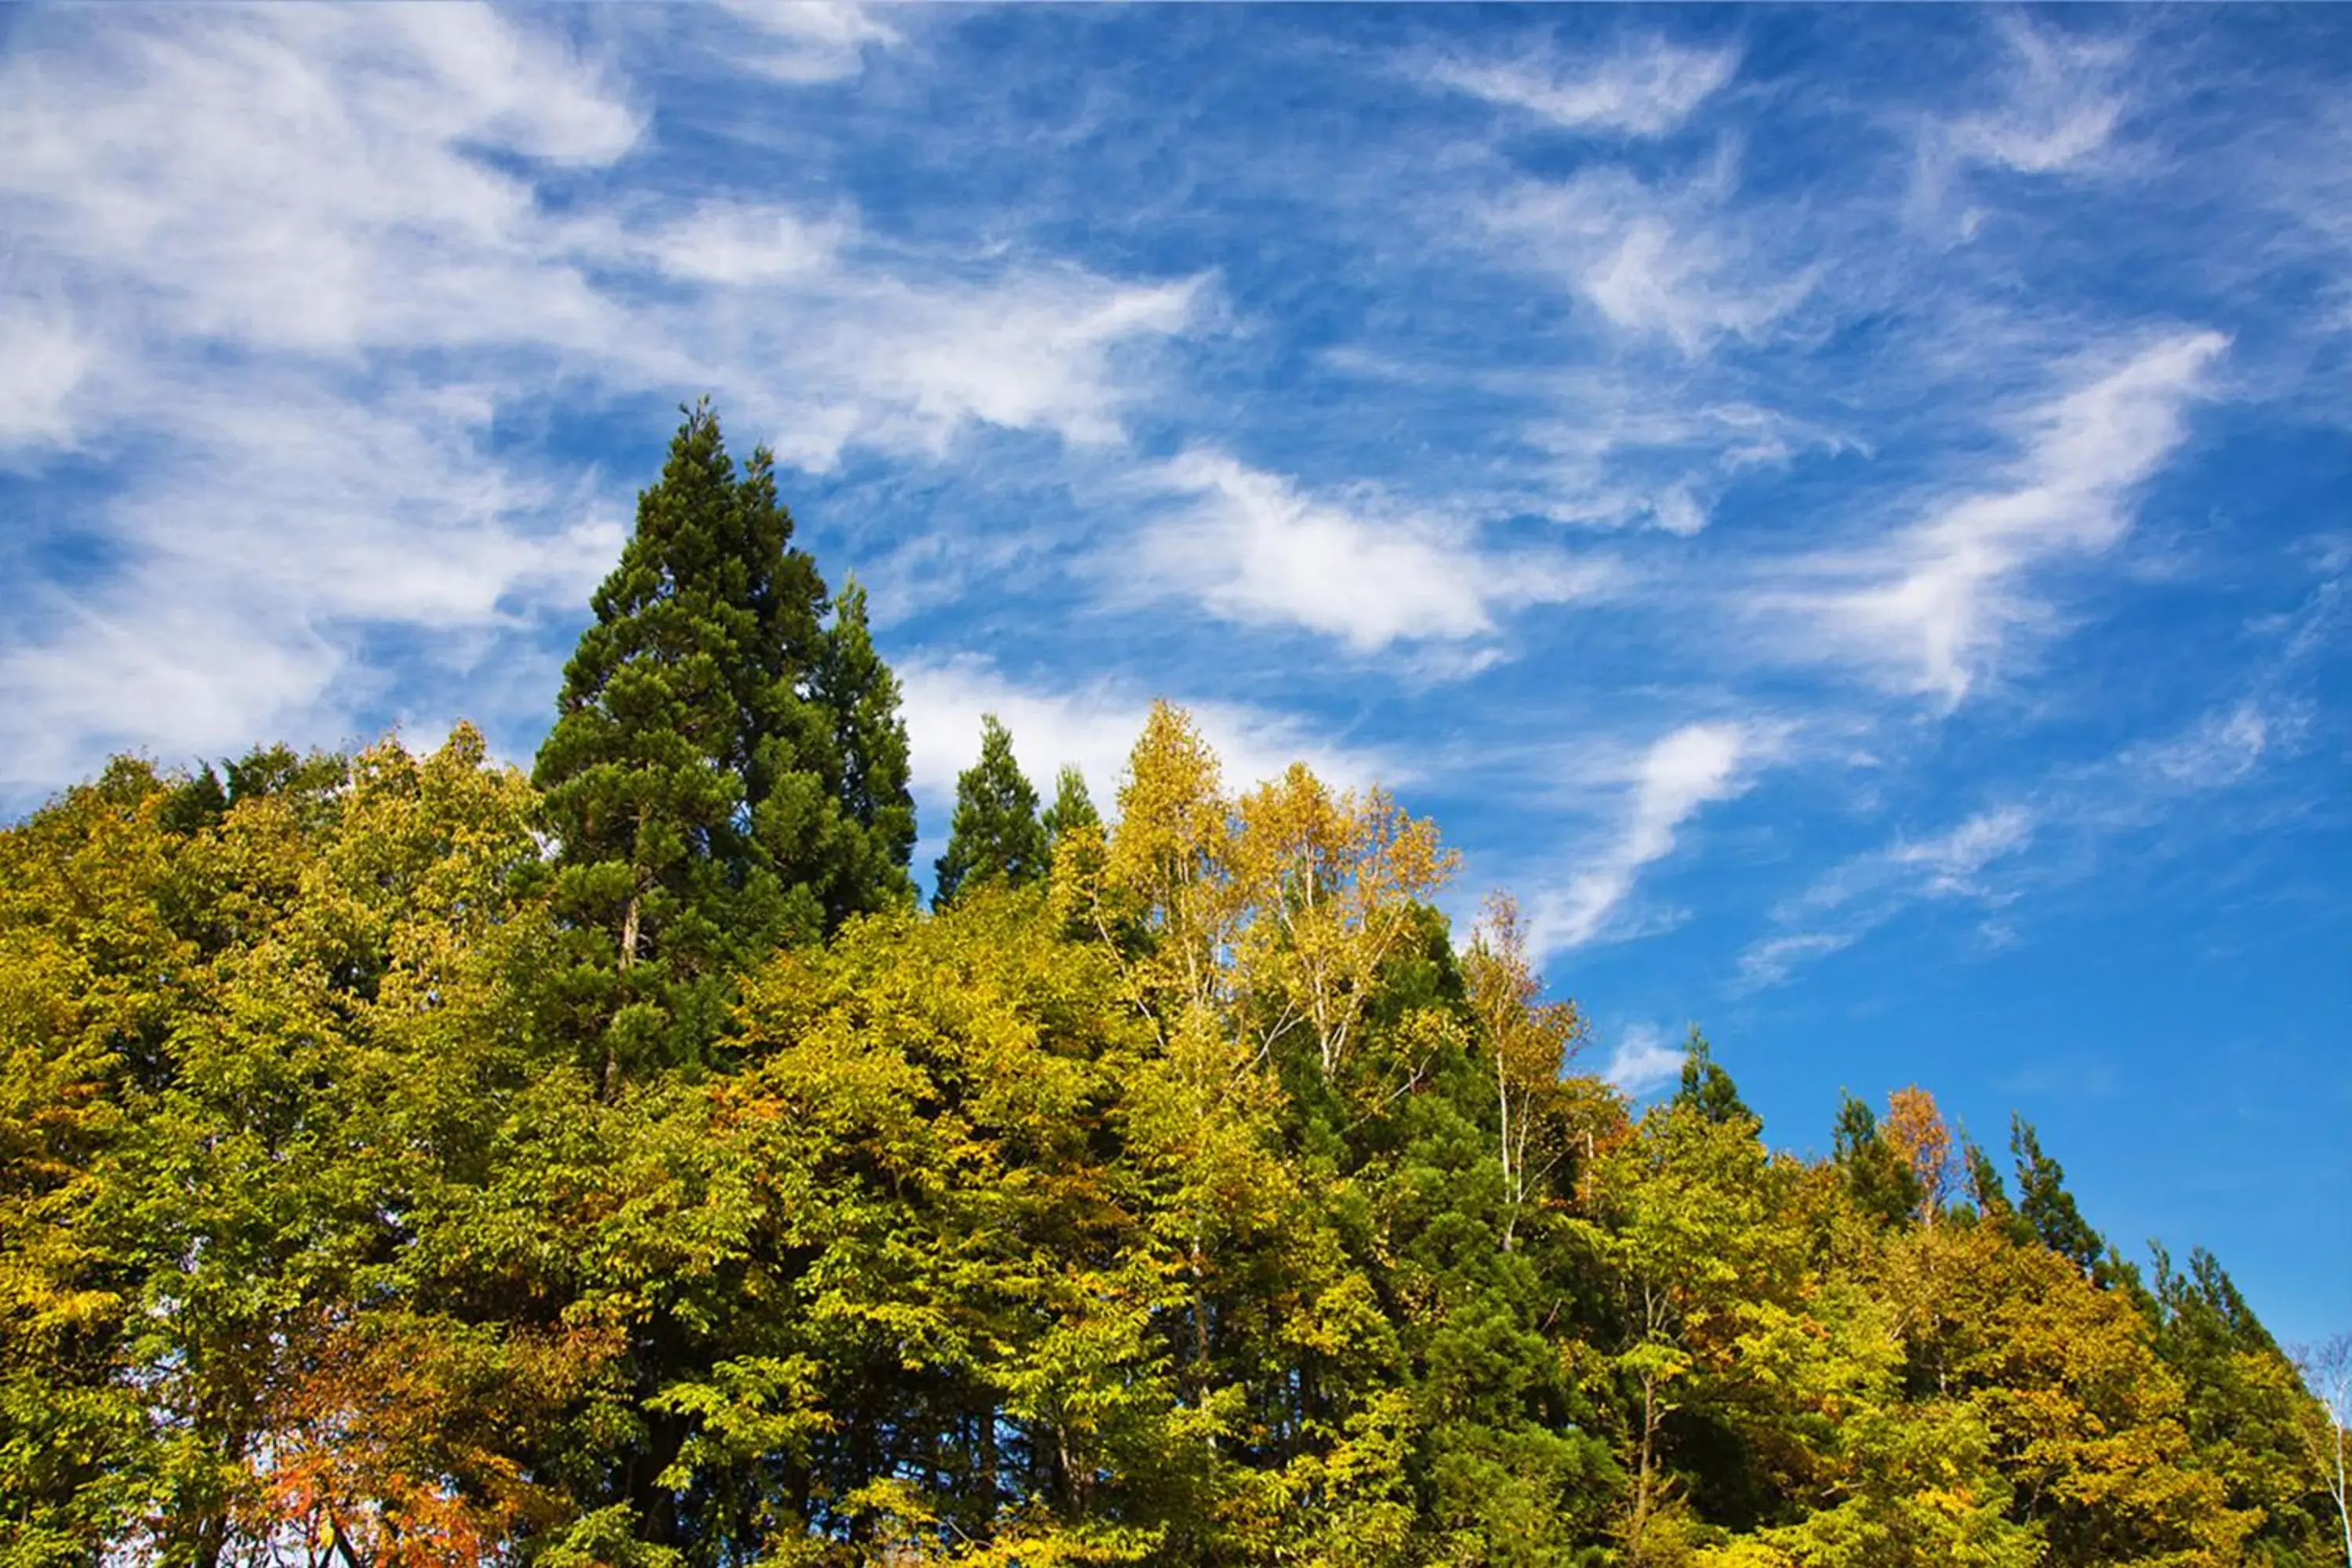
x=404 y=1161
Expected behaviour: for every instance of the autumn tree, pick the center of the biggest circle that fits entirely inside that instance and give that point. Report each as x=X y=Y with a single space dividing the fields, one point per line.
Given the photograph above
x=1160 y=896
x=1324 y=887
x=1532 y=1043
x=1213 y=1209
x=1915 y=1130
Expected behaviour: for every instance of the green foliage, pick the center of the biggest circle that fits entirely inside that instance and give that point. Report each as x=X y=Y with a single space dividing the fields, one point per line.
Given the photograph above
x=1705 y=1088
x=2046 y=1205
x=870 y=768
x=1882 y=1182
x=1073 y=809
x=995 y=836
x=373 y=1189
x=724 y=774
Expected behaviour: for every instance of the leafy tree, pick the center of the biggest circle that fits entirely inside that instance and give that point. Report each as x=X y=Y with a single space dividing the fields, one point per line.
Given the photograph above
x=1160 y=895
x=1692 y=1227
x=1915 y=1129
x=2326 y=1427
x=1324 y=888
x=2087 y=1422
x=1531 y=1044
x=2246 y=1410
x=995 y=836
x=678 y=779
x=1202 y=1208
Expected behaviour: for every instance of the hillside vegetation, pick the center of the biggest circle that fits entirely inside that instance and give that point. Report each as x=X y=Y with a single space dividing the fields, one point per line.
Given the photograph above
x=405 y=1162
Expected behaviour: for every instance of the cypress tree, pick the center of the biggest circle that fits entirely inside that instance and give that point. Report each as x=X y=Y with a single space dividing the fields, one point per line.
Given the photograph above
x=1882 y=1184
x=2045 y=1205
x=1073 y=808
x=995 y=833
x=875 y=839
x=689 y=778
x=1705 y=1088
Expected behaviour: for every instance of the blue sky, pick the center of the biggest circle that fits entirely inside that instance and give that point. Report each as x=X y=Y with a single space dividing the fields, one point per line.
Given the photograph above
x=1846 y=512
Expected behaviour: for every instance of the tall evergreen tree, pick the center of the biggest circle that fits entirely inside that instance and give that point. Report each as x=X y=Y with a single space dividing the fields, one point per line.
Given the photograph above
x=2044 y=1203
x=1882 y=1182
x=1705 y=1088
x=1073 y=808
x=876 y=836
x=695 y=779
x=995 y=835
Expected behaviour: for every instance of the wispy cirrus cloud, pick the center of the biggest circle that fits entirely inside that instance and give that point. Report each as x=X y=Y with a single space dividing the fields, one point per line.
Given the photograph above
x=810 y=40
x=1675 y=262
x=1858 y=896
x=2060 y=105
x=1933 y=608
x=2221 y=749
x=1643 y=88
x=1640 y=1063
x=1679 y=774
x=1252 y=546
x=2056 y=832
x=313 y=265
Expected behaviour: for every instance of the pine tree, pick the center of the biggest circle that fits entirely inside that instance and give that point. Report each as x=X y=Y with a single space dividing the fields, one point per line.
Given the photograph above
x=685 y=779
x=2045 y=1203
x=1073 y=808
x=876 y=836
x=995 y=835
x=1880 y=1179
x=1705 y=1088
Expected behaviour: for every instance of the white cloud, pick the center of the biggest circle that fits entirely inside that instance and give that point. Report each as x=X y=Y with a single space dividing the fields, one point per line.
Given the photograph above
x=1645 y=90
x=738 y=243
x=2221 y=749
x=302 y=179
x=1642 y=1063
x=1655 y=263
x=1252 y=548
x=1948 y=863
x=46 y=361
x=226 y=625
x=1853 y=899
x=1933 y=608
x=1773 y=960
x=289 y=221
x=2071 y=818
x=810 y=40
x=919 y=361
x=2061 y=107
x=1627 y=456
x=1094 y=728
x=1680 y=773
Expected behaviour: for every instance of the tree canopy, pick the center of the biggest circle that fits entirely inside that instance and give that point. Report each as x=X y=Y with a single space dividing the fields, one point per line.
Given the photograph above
x=405 y=1162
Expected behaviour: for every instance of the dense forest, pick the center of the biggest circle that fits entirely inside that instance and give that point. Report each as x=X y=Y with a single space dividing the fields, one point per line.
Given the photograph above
x=406 y=1161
